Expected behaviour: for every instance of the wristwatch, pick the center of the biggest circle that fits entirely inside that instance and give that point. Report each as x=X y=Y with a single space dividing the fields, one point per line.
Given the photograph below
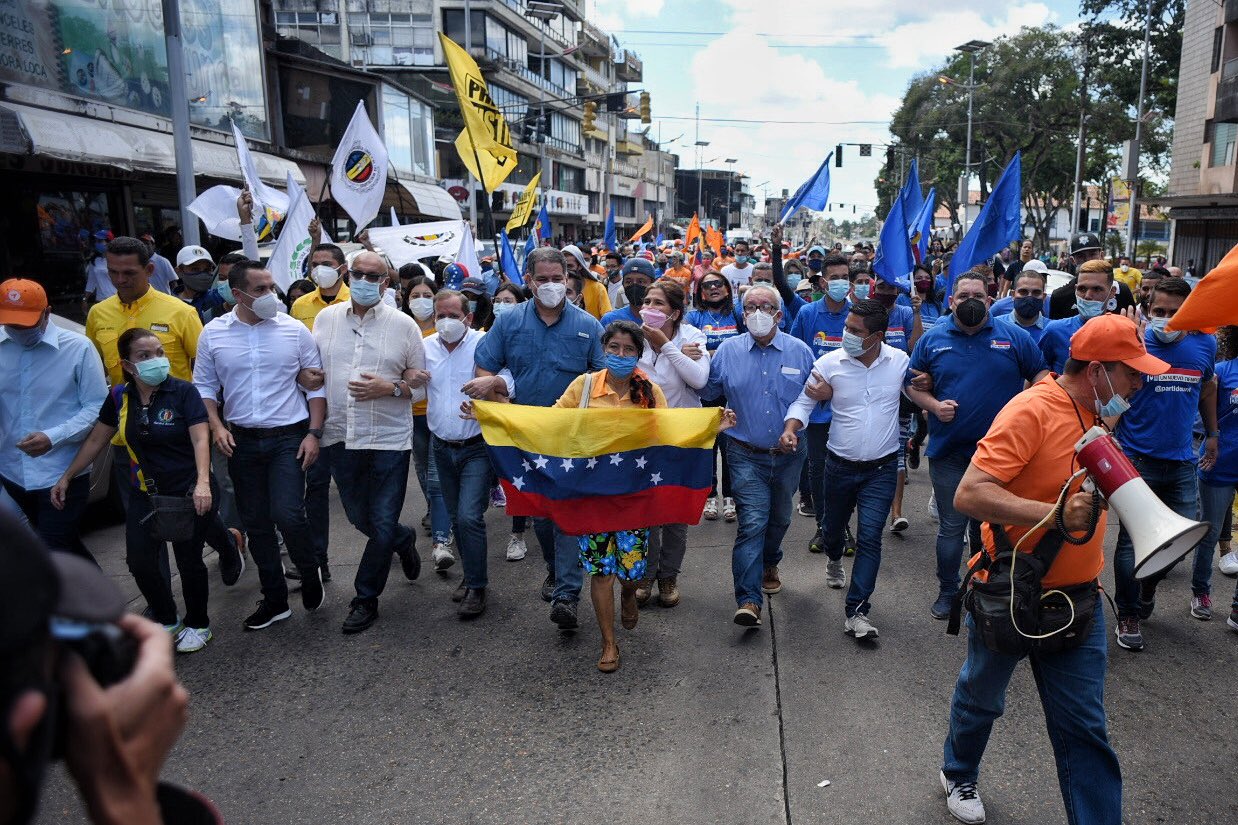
x=316 y=432
x=396 y=392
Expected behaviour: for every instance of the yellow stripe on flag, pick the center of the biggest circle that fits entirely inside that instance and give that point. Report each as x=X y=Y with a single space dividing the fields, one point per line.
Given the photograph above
x=577 y=433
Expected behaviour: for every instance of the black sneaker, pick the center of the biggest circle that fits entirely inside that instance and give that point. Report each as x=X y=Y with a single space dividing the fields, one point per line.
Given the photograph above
x=473 y=604
x=311 y=588
x=292 y=574
x=266 y=615
x=361 y=614
x=913 y=456
x=1147 y=600
x=326 y=573
x=409 y=560
x=817 y=545
x=548 y=587
x=564 y=615
x=941 y=608
x=232 y=558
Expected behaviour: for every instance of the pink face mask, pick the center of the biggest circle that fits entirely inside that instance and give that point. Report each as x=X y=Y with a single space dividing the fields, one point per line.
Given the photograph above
x=655 y=318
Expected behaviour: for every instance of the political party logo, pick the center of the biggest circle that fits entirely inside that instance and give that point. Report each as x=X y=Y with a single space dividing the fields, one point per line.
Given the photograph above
x=432 y=239
x=1233 y=398
x=14 y=296
x=300 y=257
x=998 y=343
x=359 y=168
x=164 y=416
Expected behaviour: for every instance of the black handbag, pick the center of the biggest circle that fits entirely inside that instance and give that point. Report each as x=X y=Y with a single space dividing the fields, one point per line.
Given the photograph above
x=171 y=518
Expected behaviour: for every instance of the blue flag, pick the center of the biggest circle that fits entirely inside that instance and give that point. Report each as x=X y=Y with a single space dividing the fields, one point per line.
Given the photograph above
x=610 y=238
x=1000 y=222
x=661 y=238
x=922 y=225
x=507 y=260
x=814 y=194
x=894 y=262
x=913 y=200
x=541 y=227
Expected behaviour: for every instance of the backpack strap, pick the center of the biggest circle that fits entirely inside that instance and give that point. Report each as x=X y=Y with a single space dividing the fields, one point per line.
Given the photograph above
x=120 y=398
x=586 y=391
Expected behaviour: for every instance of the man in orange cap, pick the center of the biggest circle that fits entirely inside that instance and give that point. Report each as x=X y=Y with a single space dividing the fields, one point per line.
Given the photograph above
x=54 y=387
x=1014 y=480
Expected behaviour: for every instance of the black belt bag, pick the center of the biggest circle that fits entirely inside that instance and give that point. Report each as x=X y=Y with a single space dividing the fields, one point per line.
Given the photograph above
x=171 y=518
x=1018 y=616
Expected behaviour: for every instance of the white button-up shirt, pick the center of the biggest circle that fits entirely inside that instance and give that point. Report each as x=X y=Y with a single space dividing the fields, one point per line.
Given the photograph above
x=449 y=371
x=254 y=367
x=384 y=343
x=864 y=404
x=677 y=374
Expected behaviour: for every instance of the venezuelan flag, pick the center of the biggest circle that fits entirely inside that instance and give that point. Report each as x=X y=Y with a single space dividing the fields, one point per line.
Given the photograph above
x=594 y=471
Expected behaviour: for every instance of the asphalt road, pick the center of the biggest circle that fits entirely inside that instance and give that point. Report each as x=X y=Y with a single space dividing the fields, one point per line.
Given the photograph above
x=427 y=719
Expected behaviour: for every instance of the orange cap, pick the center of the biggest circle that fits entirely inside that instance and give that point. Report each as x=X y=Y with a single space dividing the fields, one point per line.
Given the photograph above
x=21 y=302
x=1114 y=338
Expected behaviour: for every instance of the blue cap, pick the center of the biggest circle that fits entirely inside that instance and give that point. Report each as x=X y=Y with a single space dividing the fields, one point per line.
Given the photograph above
x=640 y=265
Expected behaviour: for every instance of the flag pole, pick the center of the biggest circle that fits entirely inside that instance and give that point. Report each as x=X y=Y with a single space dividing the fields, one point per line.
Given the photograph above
x=485 y=201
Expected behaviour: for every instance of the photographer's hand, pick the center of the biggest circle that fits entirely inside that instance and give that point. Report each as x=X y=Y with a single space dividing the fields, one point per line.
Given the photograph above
x=118 y=737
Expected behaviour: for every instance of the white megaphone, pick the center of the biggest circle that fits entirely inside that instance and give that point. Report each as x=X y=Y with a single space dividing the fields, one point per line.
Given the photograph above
x=1161 y=536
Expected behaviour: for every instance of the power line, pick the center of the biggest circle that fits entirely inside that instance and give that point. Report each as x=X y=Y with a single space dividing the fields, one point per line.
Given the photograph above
x=788 y=35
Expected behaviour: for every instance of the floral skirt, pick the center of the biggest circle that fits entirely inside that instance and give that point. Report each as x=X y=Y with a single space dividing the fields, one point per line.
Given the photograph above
x=619 y=554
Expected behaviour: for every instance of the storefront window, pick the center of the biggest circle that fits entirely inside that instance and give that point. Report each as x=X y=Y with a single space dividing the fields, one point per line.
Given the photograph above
x=408 y=131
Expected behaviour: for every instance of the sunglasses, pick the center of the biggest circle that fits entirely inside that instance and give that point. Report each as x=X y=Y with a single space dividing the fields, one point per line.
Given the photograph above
x=713 y=285
x=372 y=277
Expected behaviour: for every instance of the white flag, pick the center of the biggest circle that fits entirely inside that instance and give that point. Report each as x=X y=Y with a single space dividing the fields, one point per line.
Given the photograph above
x=290 y=258
x=359 y=170
x=270 y=204
x=412 y=242
x=395 y=219
x=217 y=209
x=467 y=256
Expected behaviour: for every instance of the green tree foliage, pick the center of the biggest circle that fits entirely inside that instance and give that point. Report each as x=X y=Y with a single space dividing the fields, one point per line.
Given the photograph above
x=1115 y=33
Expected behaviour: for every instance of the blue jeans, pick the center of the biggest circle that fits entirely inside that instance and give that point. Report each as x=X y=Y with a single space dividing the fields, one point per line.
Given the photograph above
x=270 y=493
x=817 y=436
x=465 y=478
x=427 y=479
x=1214 y=502
x=561 y=553
x=1175 y=484
x=764 y=485
x=372 y=484
x=870 y=493
x=1072 y=693
x=946 y=472
x=318 y=503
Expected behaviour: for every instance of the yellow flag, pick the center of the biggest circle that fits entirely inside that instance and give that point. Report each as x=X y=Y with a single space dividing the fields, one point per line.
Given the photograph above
x=486 y=140
x=524 y=206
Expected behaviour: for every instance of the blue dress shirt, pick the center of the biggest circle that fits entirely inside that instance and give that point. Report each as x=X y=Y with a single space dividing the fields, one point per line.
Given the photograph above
x=759 y=383
x=543 y=359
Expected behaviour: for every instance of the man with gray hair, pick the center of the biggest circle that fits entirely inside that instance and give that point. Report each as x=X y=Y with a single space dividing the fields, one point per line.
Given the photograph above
x=761 y=374
x=545 y=343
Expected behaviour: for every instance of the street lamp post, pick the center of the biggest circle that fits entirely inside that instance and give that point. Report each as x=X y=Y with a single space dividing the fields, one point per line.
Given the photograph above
x=730 y=176
x=969 y=48
x=1133 y=220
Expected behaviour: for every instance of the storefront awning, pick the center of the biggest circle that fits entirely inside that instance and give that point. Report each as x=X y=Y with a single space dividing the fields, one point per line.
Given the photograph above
x=407 y=197
x=432 y=201
x=84 y=140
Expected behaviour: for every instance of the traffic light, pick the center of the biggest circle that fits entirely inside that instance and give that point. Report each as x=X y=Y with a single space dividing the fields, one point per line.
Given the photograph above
x=543 y=125
x=866 y=150
x=645 y=116
x=616 y=102
x=838 y=155
x=890 y=157
x=591 y=113
x=496 y=200
x=528 y=127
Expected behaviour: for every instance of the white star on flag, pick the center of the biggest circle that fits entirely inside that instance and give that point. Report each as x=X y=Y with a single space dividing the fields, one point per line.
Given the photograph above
x=567 y=465
x=593 y=462
x=656 y=478
x=518 y=483
x=527 y=466
x=616 y=459
x=641 y=462
x=541 y=462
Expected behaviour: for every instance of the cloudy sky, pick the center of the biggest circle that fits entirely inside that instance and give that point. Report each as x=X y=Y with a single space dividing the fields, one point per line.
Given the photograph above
x=832 y=70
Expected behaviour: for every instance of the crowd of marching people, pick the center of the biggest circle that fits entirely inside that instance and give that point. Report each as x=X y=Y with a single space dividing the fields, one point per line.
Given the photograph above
x=228 y=407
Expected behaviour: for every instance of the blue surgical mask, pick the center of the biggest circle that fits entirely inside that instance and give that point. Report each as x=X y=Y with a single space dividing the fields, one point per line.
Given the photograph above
x=1115 y=406
x=153 y=371
x=363 y=292
x=620 y=366
x=1157 y=325
x=837 y=289
x=1089 y=309
x=861 y=291
x=853 y=344
x=793 y=279
x=224 y=290
x=26 y=337
x=741 y=260
x=1028 y=307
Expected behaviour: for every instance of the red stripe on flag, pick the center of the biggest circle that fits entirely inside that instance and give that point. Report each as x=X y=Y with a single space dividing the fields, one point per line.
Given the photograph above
x=667 y=504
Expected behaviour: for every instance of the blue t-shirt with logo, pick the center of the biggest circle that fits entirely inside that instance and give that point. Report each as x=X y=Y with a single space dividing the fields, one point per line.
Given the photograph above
x=902 y=319
x=981 y=372
x=717 y=326
x=1036 y=330
x=1162 y=413
x=1055 y=342
x=1225 y=471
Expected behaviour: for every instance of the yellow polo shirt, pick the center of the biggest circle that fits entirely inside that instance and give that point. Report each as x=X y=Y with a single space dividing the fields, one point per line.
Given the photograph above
x=602 y=396
x=175 y=322
x=306 y=308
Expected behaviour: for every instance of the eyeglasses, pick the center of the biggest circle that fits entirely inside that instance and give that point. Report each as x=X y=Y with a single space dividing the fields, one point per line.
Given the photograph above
x=768 y=309
x=713 y=285
x=372 y=277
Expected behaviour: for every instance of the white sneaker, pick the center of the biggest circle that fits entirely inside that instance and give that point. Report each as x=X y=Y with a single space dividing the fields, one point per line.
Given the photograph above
x=859 y=627
x=516 y=548
x=963 y=800
x=711 y=509
x=442 y=557
x=728 y=509
x=932 y=507
x=193 y=639
x=1229 y=563
x=835 y=575
x=174 y=630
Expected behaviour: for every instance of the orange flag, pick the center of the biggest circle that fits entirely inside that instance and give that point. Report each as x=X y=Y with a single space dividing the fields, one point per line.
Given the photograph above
x=648 y=225
x=713 y=238
x=694 y=231
x=1213 y=303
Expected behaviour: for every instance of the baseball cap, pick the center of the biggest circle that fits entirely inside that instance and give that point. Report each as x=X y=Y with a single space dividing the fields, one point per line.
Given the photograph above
x=820 y=250
x=192 y=254
x=640 y=265
x=1114 y=338
x=21 y=302
x=1035 y=265
x=474 y=286
x=1084 y=241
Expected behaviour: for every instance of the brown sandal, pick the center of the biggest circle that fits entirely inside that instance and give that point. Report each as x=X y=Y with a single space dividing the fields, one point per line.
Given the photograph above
x=609 y=665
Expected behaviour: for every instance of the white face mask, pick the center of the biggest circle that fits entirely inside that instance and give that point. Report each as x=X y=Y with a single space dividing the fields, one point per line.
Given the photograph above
x=551 y=294
x=325 y=276
x=760 y=324
x=266 y=306
x=422 y=308
x=450 y=330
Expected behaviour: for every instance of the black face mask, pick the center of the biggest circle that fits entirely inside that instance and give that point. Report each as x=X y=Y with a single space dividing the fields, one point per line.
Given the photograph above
x=970 y=311
x=635 y=294
x=198 y=281
x=885 y=299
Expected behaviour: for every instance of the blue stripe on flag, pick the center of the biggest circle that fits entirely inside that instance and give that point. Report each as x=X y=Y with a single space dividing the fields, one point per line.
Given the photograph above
x=611 y=474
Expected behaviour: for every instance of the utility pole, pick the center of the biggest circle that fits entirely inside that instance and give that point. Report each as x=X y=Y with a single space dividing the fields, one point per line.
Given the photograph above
x=1083 y=116
x=698 y=160
x=182 y=145
x=468 y=176
x=1133 y=221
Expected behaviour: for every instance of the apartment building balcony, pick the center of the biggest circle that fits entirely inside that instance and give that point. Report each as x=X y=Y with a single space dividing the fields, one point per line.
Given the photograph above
x=629 y=68
x=1226 y=110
